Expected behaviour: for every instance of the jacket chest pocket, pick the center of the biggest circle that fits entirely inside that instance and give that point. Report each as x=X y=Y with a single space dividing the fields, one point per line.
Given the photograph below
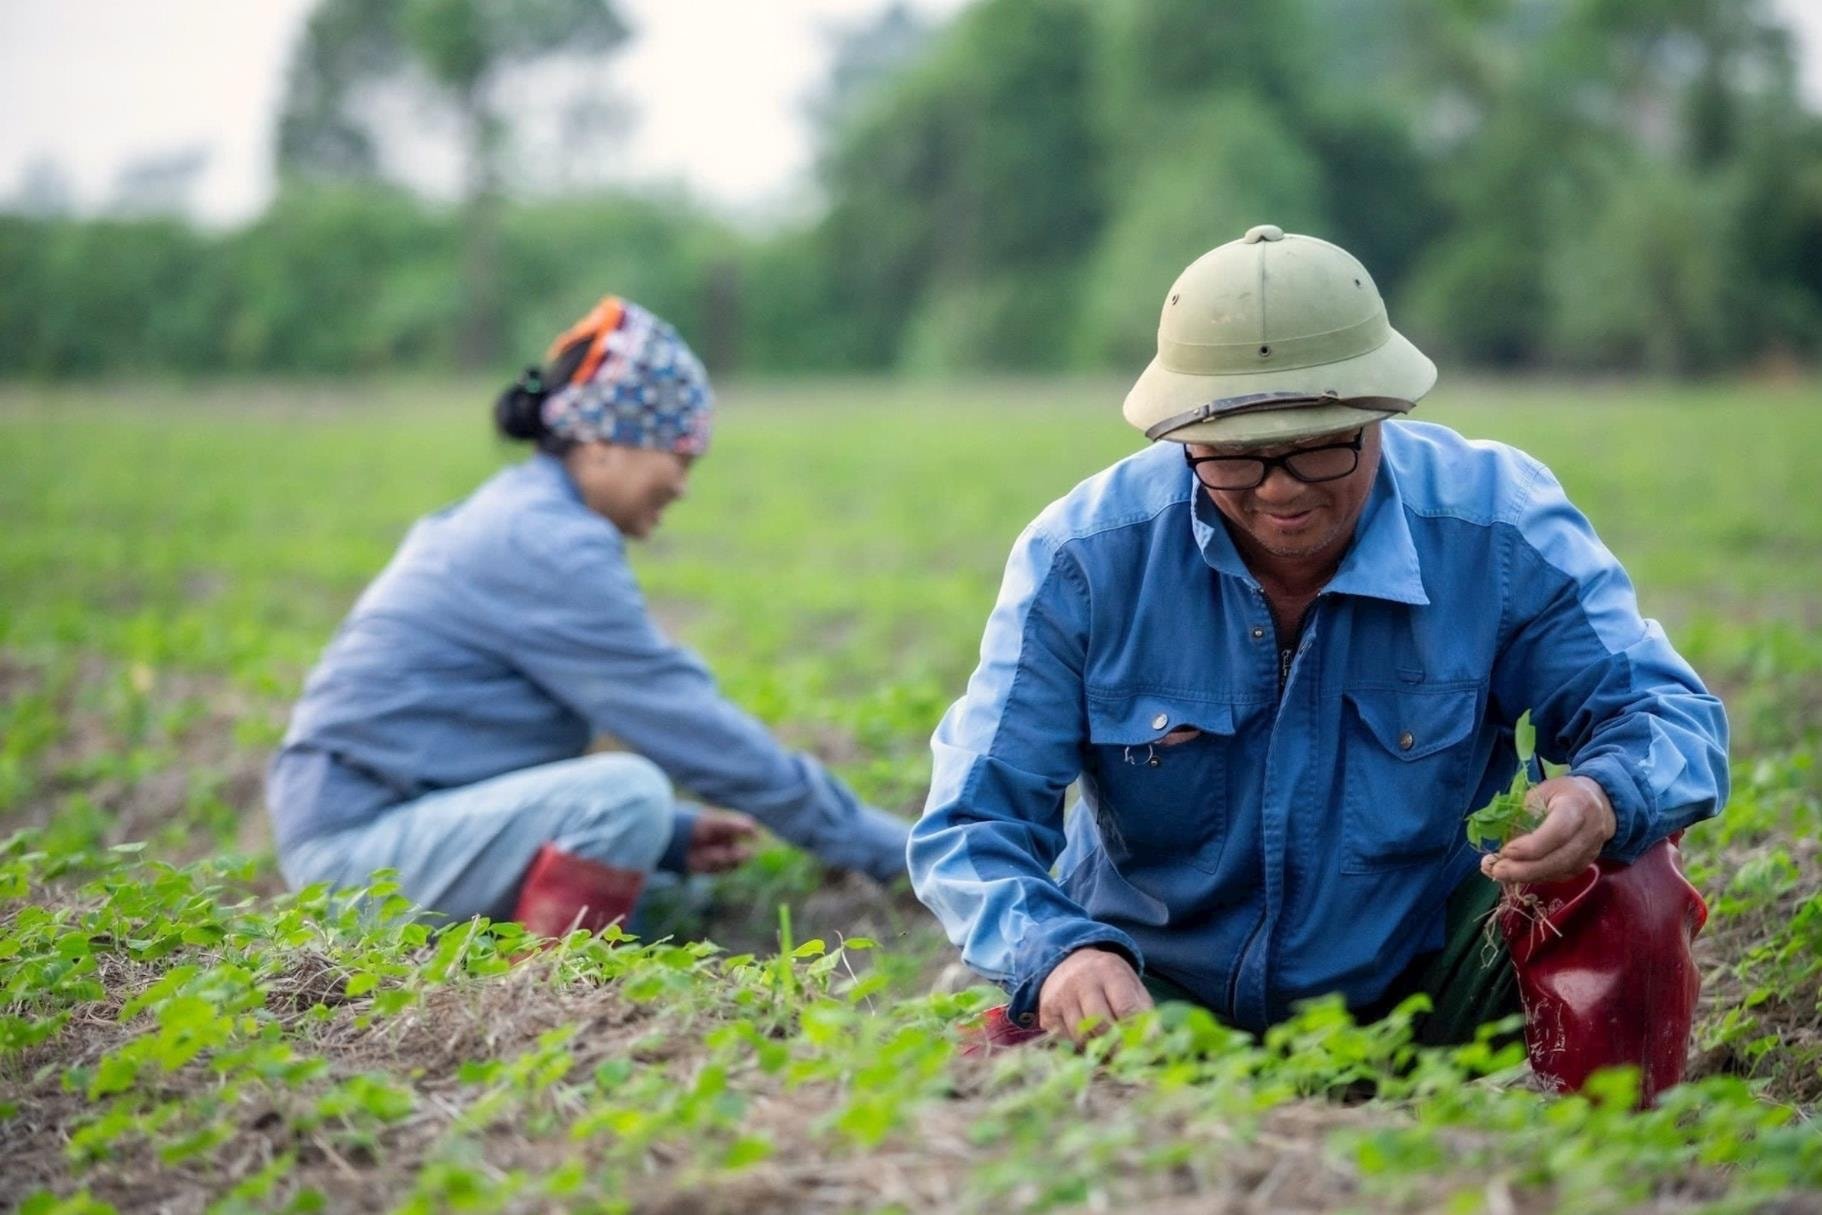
x=1407 y=754
x=1156 y=778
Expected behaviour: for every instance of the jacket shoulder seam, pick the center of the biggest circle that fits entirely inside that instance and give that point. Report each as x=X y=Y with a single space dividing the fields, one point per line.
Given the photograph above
x=1090 y=531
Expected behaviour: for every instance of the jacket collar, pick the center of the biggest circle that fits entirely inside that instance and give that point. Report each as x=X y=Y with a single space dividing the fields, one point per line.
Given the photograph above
x=1380 y=564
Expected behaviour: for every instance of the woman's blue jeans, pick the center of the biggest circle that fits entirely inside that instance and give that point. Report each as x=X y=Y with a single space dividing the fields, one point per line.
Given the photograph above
x=462 y=852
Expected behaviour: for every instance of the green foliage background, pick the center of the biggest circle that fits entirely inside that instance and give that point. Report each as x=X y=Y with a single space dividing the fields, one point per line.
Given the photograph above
x=1572 y=183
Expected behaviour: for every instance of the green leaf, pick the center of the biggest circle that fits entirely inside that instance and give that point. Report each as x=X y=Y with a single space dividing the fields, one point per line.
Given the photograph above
x=749 y=1149
x=394 y=1000
x=1524 y=738
x=1507 y=816
x=115 y=1075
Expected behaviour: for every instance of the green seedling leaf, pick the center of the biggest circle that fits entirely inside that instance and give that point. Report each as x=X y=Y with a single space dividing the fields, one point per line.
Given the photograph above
x=1500 y=821
x=1524 y=739
x=1507 y=816
x=746 y=1151
x=115 y=1075
x=44 y=1202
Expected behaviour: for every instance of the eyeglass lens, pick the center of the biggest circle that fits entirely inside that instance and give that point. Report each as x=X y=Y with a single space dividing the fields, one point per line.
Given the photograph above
x=1316 y=464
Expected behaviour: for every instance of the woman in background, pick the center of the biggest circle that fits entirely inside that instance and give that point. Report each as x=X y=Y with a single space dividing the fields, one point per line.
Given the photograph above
x=442 y=734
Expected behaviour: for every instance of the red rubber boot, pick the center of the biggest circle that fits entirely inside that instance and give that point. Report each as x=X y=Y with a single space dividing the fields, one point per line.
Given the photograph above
x=996 y=1032
x=564 y=891
x=1605 y=971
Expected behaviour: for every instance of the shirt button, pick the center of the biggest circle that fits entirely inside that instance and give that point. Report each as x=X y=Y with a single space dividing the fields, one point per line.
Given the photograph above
x=1406 y=741
x=1258 y=633
x=1159 y=722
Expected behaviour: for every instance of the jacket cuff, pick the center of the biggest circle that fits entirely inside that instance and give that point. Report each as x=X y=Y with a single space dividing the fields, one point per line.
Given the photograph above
x=676 y=856
x=1632 y=817
x=1046 y=948
x=885 y=836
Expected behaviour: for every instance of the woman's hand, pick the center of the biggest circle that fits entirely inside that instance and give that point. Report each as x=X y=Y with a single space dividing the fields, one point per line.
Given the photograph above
x=721 y=840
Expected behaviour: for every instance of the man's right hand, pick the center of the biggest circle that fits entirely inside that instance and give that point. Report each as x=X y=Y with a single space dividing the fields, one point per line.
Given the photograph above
x=1090 y=982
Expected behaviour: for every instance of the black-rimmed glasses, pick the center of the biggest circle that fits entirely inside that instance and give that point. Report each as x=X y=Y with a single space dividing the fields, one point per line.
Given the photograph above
x=1330 y=462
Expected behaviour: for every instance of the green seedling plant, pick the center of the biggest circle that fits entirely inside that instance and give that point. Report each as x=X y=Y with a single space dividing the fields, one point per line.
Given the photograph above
x=1508 y=815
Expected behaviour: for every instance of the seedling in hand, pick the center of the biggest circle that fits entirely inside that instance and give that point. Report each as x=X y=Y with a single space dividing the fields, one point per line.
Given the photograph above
x=1507 y=816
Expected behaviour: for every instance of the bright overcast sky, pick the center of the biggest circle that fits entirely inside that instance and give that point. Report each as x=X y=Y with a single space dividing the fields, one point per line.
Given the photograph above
x=719 y=87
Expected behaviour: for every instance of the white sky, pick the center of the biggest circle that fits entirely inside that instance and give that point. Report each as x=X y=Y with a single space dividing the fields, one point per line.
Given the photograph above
x=719 y=84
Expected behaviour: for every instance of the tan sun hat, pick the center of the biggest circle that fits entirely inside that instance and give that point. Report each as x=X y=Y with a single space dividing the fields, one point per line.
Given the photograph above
x=1274 y=337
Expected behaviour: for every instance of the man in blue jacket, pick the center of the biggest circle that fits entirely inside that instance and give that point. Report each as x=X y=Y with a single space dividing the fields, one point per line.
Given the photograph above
x=1284 y=654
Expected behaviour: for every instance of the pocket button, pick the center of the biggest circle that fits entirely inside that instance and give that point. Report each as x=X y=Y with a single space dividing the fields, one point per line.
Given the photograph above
x=1406 y=741
x=1160 y=721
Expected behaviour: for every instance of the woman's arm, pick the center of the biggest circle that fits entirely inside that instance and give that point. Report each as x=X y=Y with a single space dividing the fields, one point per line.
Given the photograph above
x=580 y=631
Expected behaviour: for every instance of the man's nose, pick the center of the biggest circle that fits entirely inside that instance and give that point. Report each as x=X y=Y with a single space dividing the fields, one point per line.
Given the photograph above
x=1278 y=486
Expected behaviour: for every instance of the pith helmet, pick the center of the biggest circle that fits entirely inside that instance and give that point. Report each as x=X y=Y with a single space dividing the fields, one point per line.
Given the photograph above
x=1274 y=337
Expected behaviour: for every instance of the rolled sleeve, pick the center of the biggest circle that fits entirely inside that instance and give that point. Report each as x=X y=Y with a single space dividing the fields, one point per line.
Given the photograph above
x=1004 y=756
x=1608 y=694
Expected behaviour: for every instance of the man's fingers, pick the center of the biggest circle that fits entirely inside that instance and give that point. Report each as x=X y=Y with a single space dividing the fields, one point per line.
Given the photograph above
x=1060 y=1018
x=1129 y=1000
x=1558 y=828
x=1552 y=868
x=1091 y=984
x=1095 y=1006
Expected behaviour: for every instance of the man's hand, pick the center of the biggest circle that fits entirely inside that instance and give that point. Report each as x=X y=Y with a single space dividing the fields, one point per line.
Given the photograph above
x=1090 y=982
x=721 y=840
x=1578 y=822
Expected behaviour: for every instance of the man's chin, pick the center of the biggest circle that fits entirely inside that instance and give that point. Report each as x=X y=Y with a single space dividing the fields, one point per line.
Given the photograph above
x=1295 y=546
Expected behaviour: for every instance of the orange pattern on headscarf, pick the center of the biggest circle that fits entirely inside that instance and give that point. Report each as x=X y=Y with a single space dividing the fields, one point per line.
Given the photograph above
x=597 y=326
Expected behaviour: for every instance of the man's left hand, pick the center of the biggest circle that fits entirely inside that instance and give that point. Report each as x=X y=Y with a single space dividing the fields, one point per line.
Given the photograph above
x=1578 y=822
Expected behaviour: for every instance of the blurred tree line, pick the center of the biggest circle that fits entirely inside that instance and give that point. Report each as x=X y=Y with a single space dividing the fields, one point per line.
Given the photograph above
x=1628 y=184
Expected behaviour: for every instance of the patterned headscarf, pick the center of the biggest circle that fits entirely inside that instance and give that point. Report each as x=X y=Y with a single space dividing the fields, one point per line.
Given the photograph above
x=639 y=385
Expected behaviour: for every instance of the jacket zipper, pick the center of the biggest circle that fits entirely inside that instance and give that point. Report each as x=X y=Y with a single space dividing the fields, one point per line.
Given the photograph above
x=1285 y=658
x=1233 y=985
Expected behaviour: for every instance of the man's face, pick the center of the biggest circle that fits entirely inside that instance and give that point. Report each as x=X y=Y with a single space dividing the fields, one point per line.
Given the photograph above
x=1290 y=518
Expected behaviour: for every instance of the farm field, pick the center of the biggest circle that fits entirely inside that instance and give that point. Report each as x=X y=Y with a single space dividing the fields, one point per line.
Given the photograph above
x=178 y=1033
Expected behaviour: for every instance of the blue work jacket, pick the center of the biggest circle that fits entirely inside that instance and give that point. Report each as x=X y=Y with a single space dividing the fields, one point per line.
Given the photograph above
x=507 y=632
x=1263 y=828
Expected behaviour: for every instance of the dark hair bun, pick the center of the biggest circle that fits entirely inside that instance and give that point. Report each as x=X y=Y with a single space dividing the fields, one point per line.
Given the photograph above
x=518 y=413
